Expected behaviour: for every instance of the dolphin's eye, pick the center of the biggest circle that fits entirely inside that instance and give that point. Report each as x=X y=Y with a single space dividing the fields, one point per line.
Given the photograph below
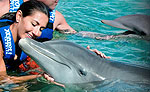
x=82 y=73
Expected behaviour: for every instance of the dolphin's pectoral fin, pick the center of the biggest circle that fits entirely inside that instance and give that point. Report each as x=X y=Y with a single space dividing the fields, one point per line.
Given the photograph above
x=116 y=24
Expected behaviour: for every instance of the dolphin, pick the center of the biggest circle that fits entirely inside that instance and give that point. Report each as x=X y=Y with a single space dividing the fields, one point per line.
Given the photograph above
x=135 y=24
x=69 y=62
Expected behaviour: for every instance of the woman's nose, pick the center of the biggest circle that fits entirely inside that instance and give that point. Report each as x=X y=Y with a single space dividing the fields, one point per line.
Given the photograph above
x=36 y=31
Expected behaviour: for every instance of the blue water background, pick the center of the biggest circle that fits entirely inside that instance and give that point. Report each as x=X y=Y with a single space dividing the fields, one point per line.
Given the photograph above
x=85 y=15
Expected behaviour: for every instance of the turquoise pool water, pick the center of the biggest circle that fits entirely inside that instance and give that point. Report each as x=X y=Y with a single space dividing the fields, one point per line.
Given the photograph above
x=85 y=15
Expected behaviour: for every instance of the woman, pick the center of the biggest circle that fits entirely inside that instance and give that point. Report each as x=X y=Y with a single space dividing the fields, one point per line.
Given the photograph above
x=31 y=18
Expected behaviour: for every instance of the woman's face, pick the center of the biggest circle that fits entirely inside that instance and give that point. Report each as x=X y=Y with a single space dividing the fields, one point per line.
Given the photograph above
x=51 y=3
x=31 y=26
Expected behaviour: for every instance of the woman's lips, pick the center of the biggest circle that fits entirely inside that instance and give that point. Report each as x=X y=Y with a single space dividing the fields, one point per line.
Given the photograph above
x=29 y=36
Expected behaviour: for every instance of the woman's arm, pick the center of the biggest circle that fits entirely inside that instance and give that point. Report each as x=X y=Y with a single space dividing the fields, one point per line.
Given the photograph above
x=61 y=25
x=2 y=63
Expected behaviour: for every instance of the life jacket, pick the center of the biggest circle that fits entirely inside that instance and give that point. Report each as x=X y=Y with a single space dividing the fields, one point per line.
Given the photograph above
x=23 y=62
x=7 y=43
x=7 y=39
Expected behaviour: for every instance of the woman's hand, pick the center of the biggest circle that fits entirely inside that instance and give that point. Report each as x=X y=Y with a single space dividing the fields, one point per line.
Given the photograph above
x=49 y=78
x=98 y=52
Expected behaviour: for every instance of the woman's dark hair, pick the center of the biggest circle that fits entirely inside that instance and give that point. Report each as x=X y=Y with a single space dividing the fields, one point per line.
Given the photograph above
x=27 y=9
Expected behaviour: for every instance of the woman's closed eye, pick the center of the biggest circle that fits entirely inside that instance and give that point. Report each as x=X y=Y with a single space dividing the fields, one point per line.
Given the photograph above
x=34 y=24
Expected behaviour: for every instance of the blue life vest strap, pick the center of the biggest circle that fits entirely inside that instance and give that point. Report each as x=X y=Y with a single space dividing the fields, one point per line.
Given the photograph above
x=7 y=42
x=14 y=5
x=47 y=34
x=52 y=16
x=23 y=56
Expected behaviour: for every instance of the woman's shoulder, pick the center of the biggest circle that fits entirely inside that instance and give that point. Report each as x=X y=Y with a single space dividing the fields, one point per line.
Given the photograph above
x=4 y=7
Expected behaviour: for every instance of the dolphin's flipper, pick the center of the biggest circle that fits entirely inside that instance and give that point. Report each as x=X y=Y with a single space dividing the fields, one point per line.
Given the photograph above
x=115 y=24
x=138 y=23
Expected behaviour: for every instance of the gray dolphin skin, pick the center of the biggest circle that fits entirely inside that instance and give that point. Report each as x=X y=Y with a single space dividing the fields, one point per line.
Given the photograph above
x=138 y=23
x=68 y=62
